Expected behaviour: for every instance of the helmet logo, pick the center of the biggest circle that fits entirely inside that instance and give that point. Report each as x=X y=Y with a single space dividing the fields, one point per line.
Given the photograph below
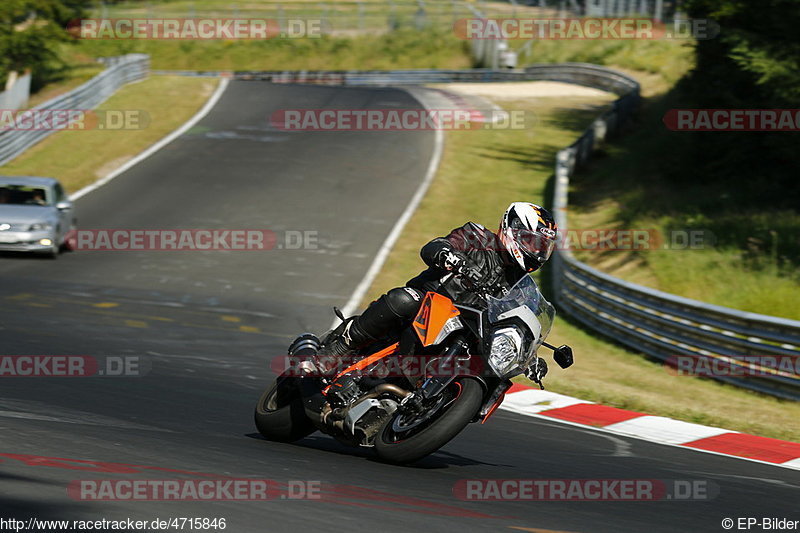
x=547 y=232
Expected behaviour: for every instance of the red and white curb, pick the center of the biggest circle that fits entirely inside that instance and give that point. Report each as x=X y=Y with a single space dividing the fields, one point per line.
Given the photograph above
x=558 y=407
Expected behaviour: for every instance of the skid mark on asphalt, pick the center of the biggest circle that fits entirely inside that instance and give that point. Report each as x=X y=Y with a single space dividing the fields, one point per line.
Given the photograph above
x=29 y=410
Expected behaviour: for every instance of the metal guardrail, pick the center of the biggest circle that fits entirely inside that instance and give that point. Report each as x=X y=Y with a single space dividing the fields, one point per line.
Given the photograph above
x=577 y=73
x=121 y=70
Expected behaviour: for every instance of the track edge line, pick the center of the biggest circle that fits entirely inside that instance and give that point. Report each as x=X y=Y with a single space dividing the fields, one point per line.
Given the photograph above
x=207 y=107
x=383 y=252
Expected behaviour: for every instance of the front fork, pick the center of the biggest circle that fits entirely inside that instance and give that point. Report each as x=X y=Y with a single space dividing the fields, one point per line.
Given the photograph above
x=433 y=386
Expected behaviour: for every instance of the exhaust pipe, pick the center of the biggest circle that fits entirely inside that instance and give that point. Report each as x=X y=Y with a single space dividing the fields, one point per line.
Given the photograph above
x=318 y=409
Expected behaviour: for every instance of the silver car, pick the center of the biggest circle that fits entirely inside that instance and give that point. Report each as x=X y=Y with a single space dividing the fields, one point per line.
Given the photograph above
x=35 y=215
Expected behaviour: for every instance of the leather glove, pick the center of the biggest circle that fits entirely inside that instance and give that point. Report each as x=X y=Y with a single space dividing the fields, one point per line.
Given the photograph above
x=452 y=260
x=460 y=264
x=537 y=371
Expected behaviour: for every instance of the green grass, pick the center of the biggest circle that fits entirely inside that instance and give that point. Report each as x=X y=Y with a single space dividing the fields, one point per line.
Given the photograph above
x=338 y=15
x=78 y=158
x=488 y=170
x=400 y=49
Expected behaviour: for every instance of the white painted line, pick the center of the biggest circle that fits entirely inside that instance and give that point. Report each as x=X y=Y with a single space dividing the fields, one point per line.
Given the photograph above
x=536 y=401
x=212 y=101
x=391 y=239
x=794 y=463
x=661 y=429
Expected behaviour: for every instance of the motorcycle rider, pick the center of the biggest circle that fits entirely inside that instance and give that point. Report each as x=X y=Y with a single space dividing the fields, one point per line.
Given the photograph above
x=469 y=257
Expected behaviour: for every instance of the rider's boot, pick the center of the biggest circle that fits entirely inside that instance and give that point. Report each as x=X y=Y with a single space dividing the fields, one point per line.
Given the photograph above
x=348 y=337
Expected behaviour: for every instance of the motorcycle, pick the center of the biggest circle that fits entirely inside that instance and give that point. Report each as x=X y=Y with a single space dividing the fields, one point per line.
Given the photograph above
x=413 y=393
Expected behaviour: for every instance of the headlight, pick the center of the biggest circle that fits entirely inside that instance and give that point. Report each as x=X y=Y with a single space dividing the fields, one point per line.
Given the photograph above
x=505 y=351
x=40 y=226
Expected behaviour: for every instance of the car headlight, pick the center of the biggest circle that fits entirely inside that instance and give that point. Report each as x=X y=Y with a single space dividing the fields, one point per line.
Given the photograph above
x=40 y=226
x=505 y=351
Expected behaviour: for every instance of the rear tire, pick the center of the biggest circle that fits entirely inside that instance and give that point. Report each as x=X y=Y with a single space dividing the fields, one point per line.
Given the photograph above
x=279 y=413
x=438 y=433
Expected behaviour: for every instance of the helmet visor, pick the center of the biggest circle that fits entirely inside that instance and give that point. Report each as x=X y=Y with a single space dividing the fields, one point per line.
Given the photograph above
x=535 y=246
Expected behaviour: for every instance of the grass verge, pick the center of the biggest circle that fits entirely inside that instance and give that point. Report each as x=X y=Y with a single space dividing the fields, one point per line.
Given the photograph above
x=404 y=48
x=80 y=157
x=489 y=169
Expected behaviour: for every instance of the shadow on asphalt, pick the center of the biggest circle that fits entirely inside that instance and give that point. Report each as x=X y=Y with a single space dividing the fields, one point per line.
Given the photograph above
x=440 y=459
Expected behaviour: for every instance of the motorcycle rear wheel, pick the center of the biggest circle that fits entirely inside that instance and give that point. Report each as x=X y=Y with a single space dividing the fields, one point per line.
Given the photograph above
x=399 y=447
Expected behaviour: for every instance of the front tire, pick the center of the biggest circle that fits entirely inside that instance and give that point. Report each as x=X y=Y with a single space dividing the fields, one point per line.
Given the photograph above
x=50 y=253
x=398 y=448
x=279 y=413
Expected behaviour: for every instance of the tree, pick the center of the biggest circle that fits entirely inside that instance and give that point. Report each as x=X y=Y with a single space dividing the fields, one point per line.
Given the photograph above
x=759 y=43
x=30 y=31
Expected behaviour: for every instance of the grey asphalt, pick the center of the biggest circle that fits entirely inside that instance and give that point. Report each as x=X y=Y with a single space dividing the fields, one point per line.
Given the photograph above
x=208 y=322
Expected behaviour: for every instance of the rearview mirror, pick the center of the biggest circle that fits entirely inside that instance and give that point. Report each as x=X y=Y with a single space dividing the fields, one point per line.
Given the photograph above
x=64 y=206
x=563 y=356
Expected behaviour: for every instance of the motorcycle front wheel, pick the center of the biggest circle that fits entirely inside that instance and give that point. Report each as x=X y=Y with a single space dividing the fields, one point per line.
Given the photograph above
x=407 y=437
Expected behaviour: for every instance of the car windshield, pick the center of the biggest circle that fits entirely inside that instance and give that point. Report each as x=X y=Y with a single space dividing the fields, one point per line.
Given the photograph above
x=23 y=195
x=524 y=293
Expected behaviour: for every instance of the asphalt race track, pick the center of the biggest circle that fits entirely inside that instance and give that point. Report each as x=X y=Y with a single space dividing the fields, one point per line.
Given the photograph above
x=207 y=323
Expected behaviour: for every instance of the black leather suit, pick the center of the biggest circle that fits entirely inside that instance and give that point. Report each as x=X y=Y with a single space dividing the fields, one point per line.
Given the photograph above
x=398 y=306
